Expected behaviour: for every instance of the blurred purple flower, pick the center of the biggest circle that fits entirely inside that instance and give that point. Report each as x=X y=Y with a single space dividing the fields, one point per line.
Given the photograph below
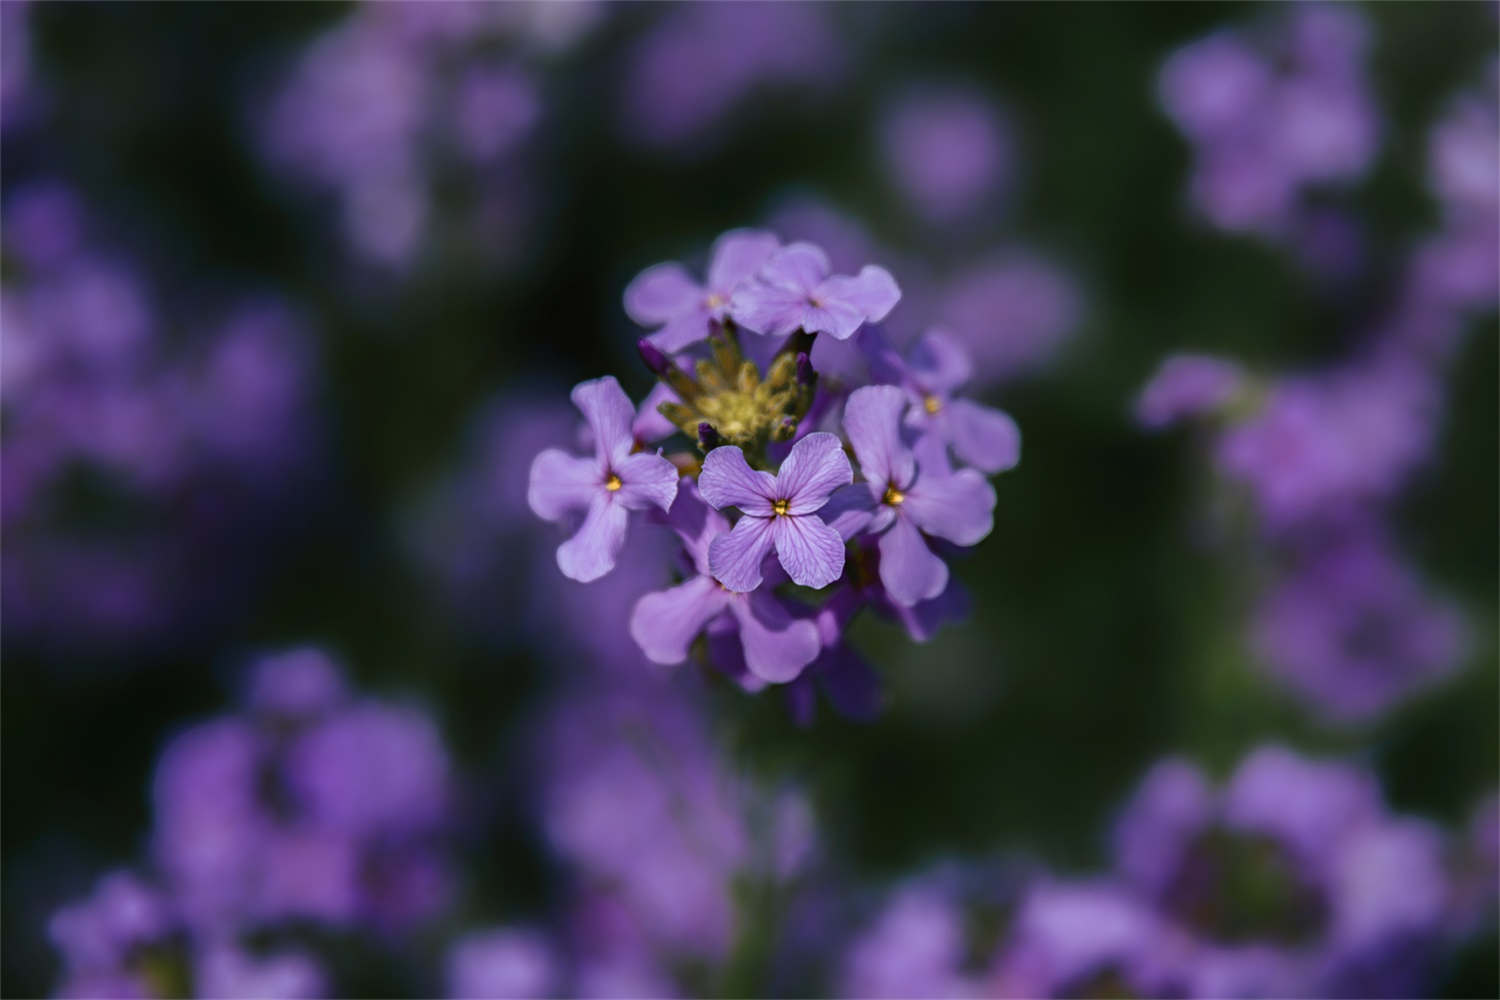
x=501 y=964
x=1012 y=311
x=1187 y=385
x=1352 y=631
x=946 y=151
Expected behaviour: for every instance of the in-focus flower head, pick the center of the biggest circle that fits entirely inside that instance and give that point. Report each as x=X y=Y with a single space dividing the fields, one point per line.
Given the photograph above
x=766 y=473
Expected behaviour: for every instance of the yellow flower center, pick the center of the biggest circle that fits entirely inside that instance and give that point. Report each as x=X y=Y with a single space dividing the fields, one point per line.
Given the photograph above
x=714 y=300
x=932 y=404
x=893 y=496
x=612 y=483
x=780 y=507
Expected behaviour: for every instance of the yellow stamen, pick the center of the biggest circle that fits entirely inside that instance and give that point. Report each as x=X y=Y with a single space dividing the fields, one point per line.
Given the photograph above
x=893 y=496
x=780 y=507
x=714 y=300
x=932 y=404
x=612 y=483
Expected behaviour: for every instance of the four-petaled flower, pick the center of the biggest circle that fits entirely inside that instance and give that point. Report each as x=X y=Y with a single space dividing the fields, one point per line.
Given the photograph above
x=899 y=499
x=606 y=487
x=666 y=296
x=779 y=511
x=776 y=645
x=981 y=436
x=794 y=290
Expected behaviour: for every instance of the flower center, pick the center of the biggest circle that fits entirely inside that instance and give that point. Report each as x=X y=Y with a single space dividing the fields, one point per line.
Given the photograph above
x=932 y=404
x=780 y=507
x=714 y=300
x=893 y=496
x=613 y=483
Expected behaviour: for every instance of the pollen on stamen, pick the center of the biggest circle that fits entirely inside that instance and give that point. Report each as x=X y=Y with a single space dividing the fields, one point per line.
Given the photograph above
x=780 y=507
x=612 y=483
x=932 y=404
x=893 y=496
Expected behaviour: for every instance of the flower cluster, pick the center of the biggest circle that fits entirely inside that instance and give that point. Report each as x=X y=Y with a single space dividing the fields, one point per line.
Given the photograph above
x=311 y=808
x=767 y=496
x=112 y=396
x=1273 y=113
x=1293 y=879
x=1322 y=456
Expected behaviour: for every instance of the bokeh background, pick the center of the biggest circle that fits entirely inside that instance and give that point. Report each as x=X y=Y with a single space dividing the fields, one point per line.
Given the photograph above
x=292 y=294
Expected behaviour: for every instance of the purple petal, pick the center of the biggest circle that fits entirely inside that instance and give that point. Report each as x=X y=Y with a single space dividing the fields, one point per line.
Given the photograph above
x=734 y=559
x=872 y=291
x=696 y=523
x=764 y=309
x=810 y=551
x=939 y=362
x=609 y=413
x=872 y=419
x=728 y=481
x=659 y=293
x=959 y=507
x=931 y=447
x=683 y=330
x=797 y=267
x=908 y=569
x=849 y=510
x=986 y=438
x=737 y=256
x=922 y=620
x=650 y=426
x=646 y=480
x=777 y=646
x=592 y=550
x=833 y=316
x=561 y=483
x=665 y=623
x=815 y=468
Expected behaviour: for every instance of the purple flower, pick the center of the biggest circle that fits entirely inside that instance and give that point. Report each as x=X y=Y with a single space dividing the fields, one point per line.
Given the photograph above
x=666 y=296
x=1292 y=880
x=1012 y=311
x=945 y=150
x=502 y=963
x=607 y=487
x=779 y=511
x=914 y=948
x=1187 y=385
x=980 y=436
x=776 y=645
x=900 y=500
x=795 y=290
x=1353 y=631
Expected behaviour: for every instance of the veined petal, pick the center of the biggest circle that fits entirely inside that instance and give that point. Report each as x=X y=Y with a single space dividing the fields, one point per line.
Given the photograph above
x=737 y=256
x=661 y=292
x=810 y=551
x=849 y=510
x=872 y=291
x=835 y=317
x=777 y=646
x=939 y=362
x=908 y=568
x=728 y=481
x=872 y=419
x=683 y=330
x=797 y=267
x=665 y=623
x=609 y=413
x=735 y=558
x=960 y=507
x=593 y=549
x=646 y=480
x=762 y=308
x=815 y=467
x=984 y=437
x=561 y=484
x=696 y=523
